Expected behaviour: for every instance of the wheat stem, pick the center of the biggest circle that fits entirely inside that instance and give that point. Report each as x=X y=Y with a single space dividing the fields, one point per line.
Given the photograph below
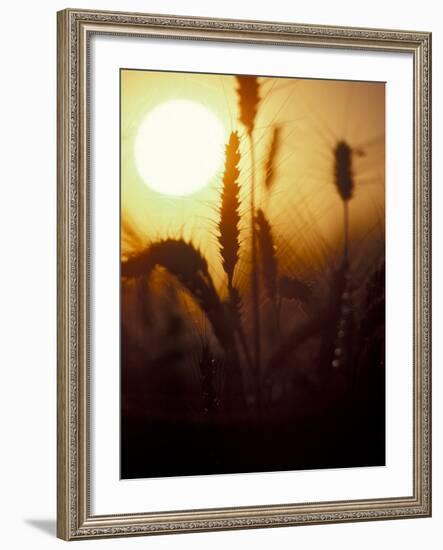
x=248 y=94
x=234 y=303
x=270 y=165
x=268 y=262
x=346 y=230
x=255 y=279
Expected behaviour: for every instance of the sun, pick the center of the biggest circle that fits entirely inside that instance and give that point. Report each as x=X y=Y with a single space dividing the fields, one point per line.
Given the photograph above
x=179 y=147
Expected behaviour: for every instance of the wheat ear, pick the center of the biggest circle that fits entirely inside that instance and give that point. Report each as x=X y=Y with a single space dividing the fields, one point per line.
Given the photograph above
x=228 y=225
x=270 y=170
x=229 y=233
x=344 y=183
x=268 y=255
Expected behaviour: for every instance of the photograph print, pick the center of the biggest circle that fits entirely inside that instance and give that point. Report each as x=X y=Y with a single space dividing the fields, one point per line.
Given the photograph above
x=252 y=274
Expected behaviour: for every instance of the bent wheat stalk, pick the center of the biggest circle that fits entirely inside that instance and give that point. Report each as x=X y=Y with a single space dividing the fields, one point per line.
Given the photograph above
x=187 y=264
x=182 y=260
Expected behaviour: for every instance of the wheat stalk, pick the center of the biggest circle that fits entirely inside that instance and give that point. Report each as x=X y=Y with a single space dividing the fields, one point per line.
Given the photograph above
x=248 y=93
x=269 y=267
x=187 y=264
x=228 y=226
x=270 y=161
x=268 y=255
x=344 y=182
x=235 y=310
x=337 y=316
x=207 y=368
x=229 y=233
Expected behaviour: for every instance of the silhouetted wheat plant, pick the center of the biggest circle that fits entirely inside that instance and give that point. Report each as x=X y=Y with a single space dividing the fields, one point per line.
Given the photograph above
x=331 y=324
x=187 y=264
x=248 y=97
x=229 y=235
x=229 y=232
x=268 y=263
x=344 y=182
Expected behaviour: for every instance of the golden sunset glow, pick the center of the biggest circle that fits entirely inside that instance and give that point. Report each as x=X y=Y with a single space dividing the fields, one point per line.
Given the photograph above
x=179 y=147
x=175 y=127
x=252 y=273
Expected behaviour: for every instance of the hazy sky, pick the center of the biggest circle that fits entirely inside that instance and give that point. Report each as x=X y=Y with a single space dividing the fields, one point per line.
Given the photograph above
x=304 y=207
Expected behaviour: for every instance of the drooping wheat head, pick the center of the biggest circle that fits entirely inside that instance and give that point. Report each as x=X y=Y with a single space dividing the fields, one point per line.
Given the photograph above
x=187 y=264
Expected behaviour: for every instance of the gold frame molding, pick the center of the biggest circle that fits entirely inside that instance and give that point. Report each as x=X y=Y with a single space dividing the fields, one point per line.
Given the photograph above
x=74 y=519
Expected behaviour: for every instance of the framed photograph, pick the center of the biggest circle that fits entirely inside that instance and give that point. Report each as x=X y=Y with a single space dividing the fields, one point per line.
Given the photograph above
x=243 y=274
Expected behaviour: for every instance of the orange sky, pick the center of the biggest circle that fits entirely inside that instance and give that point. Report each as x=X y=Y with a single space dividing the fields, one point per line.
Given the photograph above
x=304 y=207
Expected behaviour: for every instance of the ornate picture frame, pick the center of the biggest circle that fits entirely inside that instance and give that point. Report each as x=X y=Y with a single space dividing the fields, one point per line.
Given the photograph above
x=75 y=517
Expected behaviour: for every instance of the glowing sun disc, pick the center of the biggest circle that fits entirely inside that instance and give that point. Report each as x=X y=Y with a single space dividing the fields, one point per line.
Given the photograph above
x=179 y=147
